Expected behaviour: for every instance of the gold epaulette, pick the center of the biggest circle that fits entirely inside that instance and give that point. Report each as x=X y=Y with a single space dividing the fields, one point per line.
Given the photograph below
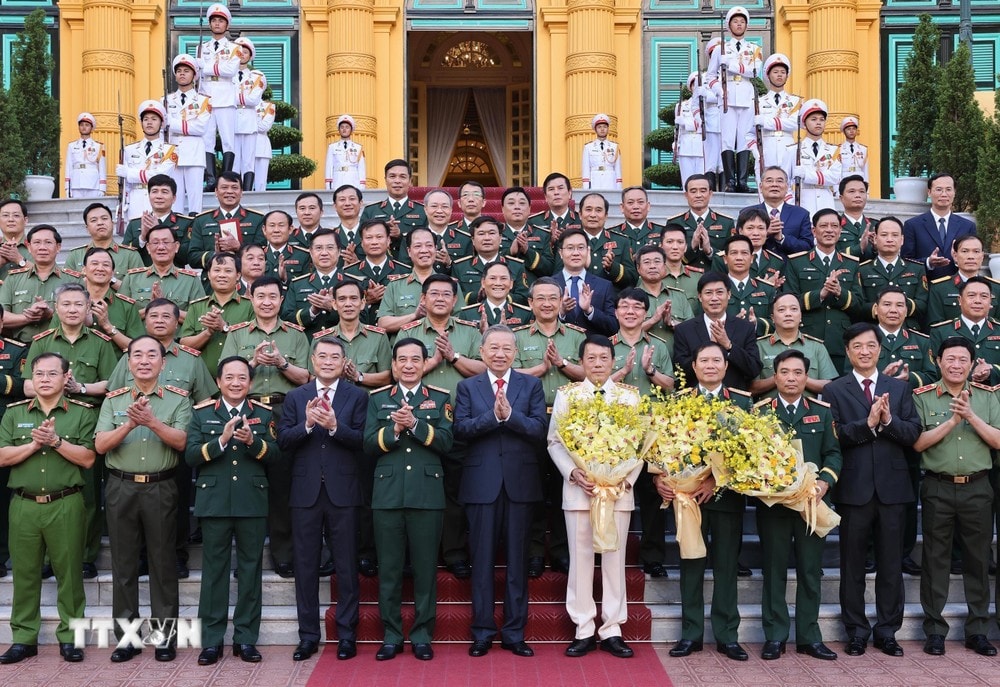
x=985 y=387
x=916 y=333
x=467 y=324
x=323 y=332
x=940 y=279
x=125 y=298
x=437 y=388
x=925 y=388
x=14 y=341
x=942 y=322
x=394 y=277
x=189 y=272
x=297 y=327
x=258 y=403
x=466 y=258
x=20 y=270
x=36 y=337
x=373 y=328
x=812 y=338
x=199 y=300
x=741 y=392
x=511 y=258
x=819 y=402
x=137 y=270
x=118 y=392
x=204 y=404
x=126 y=246
x=302 y=276
x=523 y=326
x=177 y=390
x=575 y=327
x=241 y=325
x=80 y=403
x=19 y=403
x=799 y=254
x=760 y=404
x=411 y=325
x=188 y=349
x=381 y=388
x=73 y=273
x=855 y=258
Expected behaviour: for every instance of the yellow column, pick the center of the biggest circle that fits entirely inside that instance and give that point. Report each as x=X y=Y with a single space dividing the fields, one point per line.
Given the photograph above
x=832 y=63
x=350 y=71
x=591 y=68
x=389 y=91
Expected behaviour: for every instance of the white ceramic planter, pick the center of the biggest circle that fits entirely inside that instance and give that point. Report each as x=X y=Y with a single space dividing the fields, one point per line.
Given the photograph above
x=39 y=187
x=910 y=189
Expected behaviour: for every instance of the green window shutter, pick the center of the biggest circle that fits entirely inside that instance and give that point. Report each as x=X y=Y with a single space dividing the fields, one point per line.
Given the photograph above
x=673 y=60
x=984 y=65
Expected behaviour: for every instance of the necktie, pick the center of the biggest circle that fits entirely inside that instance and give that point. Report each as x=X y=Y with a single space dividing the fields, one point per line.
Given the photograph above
x=739 y=46
x=890 y=267
x=701 y=223
x=975 y=330
x=345 y=145
x=777 y=98
x=325 y=281
x=149 y=147
x=376 y=270
x=942 y=229
x=407 y=396
x=241 y=75
x=602 y=145
x=890 y=339
x=395 y=207
x=499 y=386
x=216 y=46
x=574 y=288
x=325 y=393
x=790 y=409
x=233 y=412
x=867 y=383
x=183 y=98
x=815 y=149
x=826 y=262
x=496 y=315
x=350 y=237
x=774 y=212
x=852 y=149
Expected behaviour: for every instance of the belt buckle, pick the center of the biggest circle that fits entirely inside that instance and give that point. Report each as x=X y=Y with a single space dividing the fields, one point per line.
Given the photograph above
x=140 y=479
x=961 y=479
x=43 y=498
x=737 y=77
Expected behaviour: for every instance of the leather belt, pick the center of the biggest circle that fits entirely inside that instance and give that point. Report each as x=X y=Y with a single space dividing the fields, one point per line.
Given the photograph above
x=957 y=479
x=47 y=498
x=143 y=477
x=268 y=400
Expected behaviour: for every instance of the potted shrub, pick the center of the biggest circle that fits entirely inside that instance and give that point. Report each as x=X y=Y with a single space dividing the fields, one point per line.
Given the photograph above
x=666 y=174
x=958 y=130
x=12 y=161
x=286 y=166
x=32 y=104
x=988 y=185
x=916 y=112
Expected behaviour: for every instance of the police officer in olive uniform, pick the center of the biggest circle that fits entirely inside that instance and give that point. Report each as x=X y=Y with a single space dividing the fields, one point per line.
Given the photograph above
x=786 y=313
x=100 y=226
x=678 y=275
x=46 y=441
x=408 y=431
x=12 y=354
x=162 y=191
x=26 y=294
x=163 y=278
x=650 y=261
x=142 y=431
x=113 y=313
x=230 y=442
x=782 y=529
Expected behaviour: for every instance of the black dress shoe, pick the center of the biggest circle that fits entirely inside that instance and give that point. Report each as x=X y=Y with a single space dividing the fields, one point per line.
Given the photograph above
x=536 y=566
x=326 y=569
x=305 y=649
x=247 y=652
x=654 y=570
x=143 y=568
x=617 y=647
x=480 y=648
x=560 y=565
x=732 y=650
x=423 y=651
x=518 y=648
x=70 y=652
x=460 y=569
x=210 y=655
x=888 y=646
x=89 y=571
x=910 y=567
x=367 y=567
x=47 y=571
x=284 y=570
x=685 y=647
x=869 y=566
x=743 y=571
x=992 y=569
x=855 y=646
x=772 y=650
x=124 y=653
x=165 y=654
x=195 y=537
x=956 y=567
x=388 y=651
x=346 y=649
x=3 y=570
x=18 y=652
x=980 y=645
x=182 y=570
x=581 y=647
x=934 y=645
x=816 y=650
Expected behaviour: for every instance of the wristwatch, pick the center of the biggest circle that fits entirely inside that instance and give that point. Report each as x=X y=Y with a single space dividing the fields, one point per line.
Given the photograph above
x=651 y=371
x=361 y=378
x=225 y=328
x=58 y=443
x=113 y=331
x=562 y=363
x=285 y=366
x=455 y=358
x=21 y=263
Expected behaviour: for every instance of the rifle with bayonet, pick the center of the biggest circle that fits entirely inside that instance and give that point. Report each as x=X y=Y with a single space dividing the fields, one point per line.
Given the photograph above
x=120 y=212
x=798 y=160
x=723 y=68
x=701 y=101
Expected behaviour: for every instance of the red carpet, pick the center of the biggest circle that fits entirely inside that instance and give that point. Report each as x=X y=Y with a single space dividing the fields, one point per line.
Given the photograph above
x=452 y=667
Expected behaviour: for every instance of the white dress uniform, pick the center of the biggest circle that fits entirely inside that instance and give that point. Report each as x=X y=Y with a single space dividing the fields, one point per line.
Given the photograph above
x=263 y=152
x=145 y=159
x=742 y=61
x=345 y=160
x=601 y=167
x=189 y=114
x=778 y=119
x=86 y=166
x=819 y=167
x=250 y=85
x=689 y=151
x=695 y=156
x=218 y=64
x=853 y=156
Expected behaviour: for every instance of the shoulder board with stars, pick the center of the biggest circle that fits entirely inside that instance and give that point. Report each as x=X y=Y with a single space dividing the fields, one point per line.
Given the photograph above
x=189 y=272
x=188 y=349
x=574 y=327
x=36 y=337
x=199 y=300
x=464 y=323
x=760 y=405
x=626 y=386
x=204 y=404
x=984 y=387
x=80 y=403
x=137 y=270
x=924 y=389
x=73 y=273
x=323 y=332
x=125 y=246
x=15 y=342
x=373 y=328
x=20 y=270
x=467 y=258
x=99 y=334
x=125 y=298
x=177 y=390
x=259 y=404
x=394 y=277
x=524 y=326
x=241 y=325
x=297 y=327
x=411 y=325
x=119 y=392
x=381 y=388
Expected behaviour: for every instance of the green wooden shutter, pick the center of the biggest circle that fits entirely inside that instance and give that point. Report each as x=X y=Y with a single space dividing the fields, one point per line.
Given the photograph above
x=673 y=59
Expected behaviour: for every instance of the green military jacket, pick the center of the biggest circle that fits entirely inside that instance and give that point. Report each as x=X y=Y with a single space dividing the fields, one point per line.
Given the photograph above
x=456 y=241
x=142 y=451
x=531 y=346
x=408 y=472
x=244 y=338
x=942 y=301
x=649 y=234
x=345 y=238
x=914 y=349
x=720 y=227
x=820 y=365
x=231 y=482
x=369 y=349
x=182 y=232
x=766 y=266
x=962 y=451
x=544 y=219
x=92 y=357
x=235 y=311
x=12 y=356
x=469 y=273
x=680 y=309
x=296 y=308
x=410 y=215
x=538 y=259
x=637 y=377
x=849 y=242
x=908 y=275
x=22 y=248
x=297 y=260
x=178 y=285
x=122 y=313
x=686 y=281
x=19 y=290
x=465 y=339
x=726 y=500
x=125 y=258
x=365 y=274
x=622 y=272
x=512 y=314
x=183 y=368
x=46 y=472
x=813 y=425
x=402 y=296
x=205 y=228
x=986 y=342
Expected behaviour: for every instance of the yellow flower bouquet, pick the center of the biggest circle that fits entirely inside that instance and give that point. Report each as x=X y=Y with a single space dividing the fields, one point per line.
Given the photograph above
x=763 y=459
x=604 y=437
x=685 y=429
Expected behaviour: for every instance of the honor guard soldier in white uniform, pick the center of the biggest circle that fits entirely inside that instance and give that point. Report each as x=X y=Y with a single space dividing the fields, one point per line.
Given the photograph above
x=602 y=162
x=86 y=164
x=778 y=118
x=345 y=160
x=146 y=158
x=741 y=61
x=853 y=155
x=693 y=153
x=219 y=59
x=263 y=152
x=713 y=117
x=189 y=114
x=819 y=167
x=250 y=86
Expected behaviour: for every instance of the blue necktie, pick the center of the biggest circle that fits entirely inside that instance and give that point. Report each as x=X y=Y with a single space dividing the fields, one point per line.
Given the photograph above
x=574 y=288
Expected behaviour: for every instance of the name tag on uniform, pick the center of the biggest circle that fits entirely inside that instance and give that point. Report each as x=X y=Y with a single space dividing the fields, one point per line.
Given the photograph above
x=388 y=405
x=213 y=422
x=913 y=347
x=4 y=356
x=121 y=413
x=810 y=419
x=20 y=293
x=993 y=338
x=25 y=425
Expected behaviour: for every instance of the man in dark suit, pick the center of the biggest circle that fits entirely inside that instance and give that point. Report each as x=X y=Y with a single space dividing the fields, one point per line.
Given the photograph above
x=501 y=415
x=876 y=423
x=789 y=228
x=928 y=237
x=737 y=336
x=588 y=300
x=321 y=430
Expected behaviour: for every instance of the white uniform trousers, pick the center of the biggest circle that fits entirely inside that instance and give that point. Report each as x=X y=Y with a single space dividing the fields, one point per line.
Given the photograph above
x=580 y=588
x=190 y=187
x=737 y=127
x=223 y=120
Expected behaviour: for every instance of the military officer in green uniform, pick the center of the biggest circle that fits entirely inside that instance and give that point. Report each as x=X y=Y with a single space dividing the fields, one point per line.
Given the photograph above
x=667 y=305
x=827 y=284
x=26 y=292
x=559 y=217
x=550 y=350
x=974 y=324
x=677 y=275
x=471 y=201
x=905 y=353
x=749 y=298
x=12 y=354
x=142 y=431
x=309 y=213
x=278 y=351
x=705 y=230
x=497 y=306
x=230 y=442
x=766 y=265
x=163 y=278
x=610 y=252
x=857 y=229
x=408 y=432
x=637 y=227
x=377 y=269
x=786 y=313
x=162 y=195
x=960 y=434
x=225 y=228
x=402 y=214
x=309 y=299
x=722 y=527
x=942 y=303
x=889 y=269
x=210 y=318
x=46 y=441
x=282 y=257
x=782 y=529
x=486 y=245
x=451 y=240
x=112 y=313
x=13 y=246
x=100 y=226
x=522 y=240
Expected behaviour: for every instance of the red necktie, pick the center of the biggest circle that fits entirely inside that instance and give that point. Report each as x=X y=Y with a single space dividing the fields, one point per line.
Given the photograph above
x=868 y=391
x=499 y=384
